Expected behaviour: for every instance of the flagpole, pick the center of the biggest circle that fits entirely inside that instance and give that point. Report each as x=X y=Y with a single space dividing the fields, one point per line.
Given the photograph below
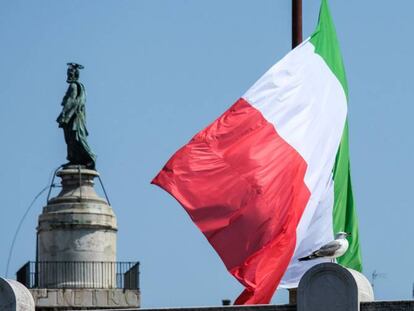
x=296 y=23
x=297 y=39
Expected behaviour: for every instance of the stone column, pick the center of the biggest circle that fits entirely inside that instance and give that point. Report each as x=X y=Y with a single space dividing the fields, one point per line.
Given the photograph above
x=76 y=233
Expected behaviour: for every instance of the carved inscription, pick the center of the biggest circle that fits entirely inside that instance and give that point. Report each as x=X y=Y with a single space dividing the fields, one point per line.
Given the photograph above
x=64 y=297
x=103 y=298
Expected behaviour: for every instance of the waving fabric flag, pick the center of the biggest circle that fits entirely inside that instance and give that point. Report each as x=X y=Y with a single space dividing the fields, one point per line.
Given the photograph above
x=268 y=181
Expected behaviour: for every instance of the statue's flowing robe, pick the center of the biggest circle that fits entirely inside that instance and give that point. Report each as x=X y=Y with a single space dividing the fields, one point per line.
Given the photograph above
x=73 y=121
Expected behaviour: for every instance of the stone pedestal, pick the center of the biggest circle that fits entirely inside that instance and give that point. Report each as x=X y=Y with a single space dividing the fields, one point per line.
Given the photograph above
x=76 y=226
x=329 y=286
x=15 y=297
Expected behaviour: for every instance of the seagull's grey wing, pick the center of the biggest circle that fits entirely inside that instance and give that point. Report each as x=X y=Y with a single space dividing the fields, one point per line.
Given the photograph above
x=328 y=249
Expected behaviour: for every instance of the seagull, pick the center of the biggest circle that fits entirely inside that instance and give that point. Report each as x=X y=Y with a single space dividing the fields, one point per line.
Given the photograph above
x=332 y=250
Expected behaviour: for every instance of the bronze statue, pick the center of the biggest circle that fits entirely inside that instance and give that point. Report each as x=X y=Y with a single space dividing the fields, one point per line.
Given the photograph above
x=73 y=121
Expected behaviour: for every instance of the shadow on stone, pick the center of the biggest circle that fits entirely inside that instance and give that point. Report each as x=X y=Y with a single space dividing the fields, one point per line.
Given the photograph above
x=14 y=296
x=329 y=286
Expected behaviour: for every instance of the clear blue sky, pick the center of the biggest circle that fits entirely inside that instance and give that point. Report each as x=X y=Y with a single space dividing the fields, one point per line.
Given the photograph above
x=156 y=72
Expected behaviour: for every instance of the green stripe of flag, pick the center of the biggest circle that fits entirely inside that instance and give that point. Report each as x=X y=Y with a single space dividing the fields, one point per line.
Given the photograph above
x=344 y=215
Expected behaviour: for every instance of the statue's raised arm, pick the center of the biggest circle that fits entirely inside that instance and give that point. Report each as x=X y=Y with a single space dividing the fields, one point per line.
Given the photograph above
x=73 y=120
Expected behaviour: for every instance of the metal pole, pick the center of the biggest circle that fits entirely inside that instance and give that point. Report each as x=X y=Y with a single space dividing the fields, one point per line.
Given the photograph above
x=296 y=23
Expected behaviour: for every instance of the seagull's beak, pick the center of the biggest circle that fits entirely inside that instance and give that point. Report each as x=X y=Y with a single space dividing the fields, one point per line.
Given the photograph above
x=348 y=233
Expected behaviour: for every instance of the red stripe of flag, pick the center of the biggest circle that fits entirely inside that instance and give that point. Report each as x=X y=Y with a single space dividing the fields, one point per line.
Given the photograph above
x=243 y=186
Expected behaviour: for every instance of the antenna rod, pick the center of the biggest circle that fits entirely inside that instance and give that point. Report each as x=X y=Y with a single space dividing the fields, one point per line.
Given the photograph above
x=296 y=23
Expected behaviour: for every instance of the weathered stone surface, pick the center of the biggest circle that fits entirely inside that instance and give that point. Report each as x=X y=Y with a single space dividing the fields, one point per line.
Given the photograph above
x=76 y=226
x=365 y=290
x=15 y=297
x=329 y=286
x=86 y=298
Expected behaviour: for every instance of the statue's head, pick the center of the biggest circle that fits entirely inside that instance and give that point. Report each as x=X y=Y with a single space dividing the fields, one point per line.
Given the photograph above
x=73 y=72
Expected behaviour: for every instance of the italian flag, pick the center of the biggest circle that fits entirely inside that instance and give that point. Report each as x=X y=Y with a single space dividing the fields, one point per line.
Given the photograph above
x=269 y=181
